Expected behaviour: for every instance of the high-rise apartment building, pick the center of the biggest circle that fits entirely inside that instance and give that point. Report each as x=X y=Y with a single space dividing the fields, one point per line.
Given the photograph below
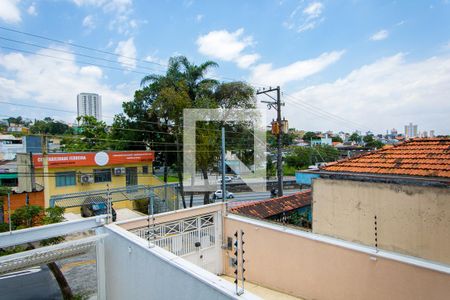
x=411 y=130
x=89 y=104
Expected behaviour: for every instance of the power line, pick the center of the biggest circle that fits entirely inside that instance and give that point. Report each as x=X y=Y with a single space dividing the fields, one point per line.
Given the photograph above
x=300 y=102
x=70 y=60
x=75 y=53
x=80 y=46
x=129 y=129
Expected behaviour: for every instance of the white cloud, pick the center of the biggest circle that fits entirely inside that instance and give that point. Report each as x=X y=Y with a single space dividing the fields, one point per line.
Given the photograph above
x=31 y=10
x=266 y=74
x=36 y=79
x=108 y=5
x=228 y=46
x=121 y=9
x=380 y=35
x=127 y=50
x=313 y=10
x=91 y=71
x=88 y=22
x=310 y=17
x=9 y=12
x=154 y=59
x=387 y=93
x=199 y=18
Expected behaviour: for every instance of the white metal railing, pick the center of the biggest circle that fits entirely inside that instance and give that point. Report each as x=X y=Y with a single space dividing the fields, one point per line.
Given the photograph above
x=188 y=242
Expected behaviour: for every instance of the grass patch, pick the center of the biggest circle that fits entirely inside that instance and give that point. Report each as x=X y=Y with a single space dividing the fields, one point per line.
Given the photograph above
x=169 y=178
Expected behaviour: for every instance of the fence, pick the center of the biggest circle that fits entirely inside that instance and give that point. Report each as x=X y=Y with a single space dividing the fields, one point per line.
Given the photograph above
x=165 y=196
x=183 y=236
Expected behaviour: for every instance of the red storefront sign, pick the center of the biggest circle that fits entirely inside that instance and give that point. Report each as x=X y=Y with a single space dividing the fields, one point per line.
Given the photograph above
x=103 y=158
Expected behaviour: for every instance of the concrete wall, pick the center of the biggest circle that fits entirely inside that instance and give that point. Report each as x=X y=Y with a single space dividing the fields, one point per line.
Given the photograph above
x=311 y=266
x=134 y=271
x=410 y=219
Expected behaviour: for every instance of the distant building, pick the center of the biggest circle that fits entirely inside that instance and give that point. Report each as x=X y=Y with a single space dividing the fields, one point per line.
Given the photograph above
x=431 y=133
x=89 y=104
x=394 y=131
x=411 y=131
x=322 y=141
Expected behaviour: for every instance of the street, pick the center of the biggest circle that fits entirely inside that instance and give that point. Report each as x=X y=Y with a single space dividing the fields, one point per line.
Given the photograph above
x=238 y=197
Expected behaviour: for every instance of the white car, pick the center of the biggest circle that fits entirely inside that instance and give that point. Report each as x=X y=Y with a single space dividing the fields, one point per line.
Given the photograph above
x=218 y=195
x=227 y=179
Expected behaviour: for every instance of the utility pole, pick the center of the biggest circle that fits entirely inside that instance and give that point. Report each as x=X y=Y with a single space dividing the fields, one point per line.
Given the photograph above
x=224 y=187
x=46 y=174
x=276 y=104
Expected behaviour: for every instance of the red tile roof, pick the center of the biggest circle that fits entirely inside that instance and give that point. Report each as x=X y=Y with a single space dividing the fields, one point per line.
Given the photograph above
x=267 y=208
x=427 y=157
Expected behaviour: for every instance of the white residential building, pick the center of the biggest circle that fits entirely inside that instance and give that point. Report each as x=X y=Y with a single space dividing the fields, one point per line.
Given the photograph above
x=411 y=131
x=89 y=104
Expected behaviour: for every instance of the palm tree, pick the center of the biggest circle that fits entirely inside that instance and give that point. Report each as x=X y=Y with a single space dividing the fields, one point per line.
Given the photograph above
x=182 y=74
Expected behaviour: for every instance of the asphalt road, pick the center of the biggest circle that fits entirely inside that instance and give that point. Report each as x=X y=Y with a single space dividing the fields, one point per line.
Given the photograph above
x=245 y=196
x=38 y=283
x=31 y=284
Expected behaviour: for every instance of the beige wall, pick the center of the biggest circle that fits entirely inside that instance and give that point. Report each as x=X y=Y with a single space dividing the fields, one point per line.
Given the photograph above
x=414 y=220
x=173 y=216
x=313 y=269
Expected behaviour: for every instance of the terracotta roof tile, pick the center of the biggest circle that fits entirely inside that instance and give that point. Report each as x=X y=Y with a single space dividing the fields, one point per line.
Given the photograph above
x=266 y=208
x=428 y=157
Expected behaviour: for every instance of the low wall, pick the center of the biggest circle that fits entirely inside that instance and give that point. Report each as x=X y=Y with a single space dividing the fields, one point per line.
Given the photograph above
x=19 y=200
x=135 y=271
x=312 y=266
x=172 y=216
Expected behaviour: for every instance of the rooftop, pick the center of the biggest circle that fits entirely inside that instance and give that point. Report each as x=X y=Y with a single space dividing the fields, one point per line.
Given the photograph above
x=426 y=157
x=271 y=207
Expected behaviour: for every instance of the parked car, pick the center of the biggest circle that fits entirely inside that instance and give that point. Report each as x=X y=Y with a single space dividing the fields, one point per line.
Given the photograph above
x=227 y=179
x=218 y=195
x=95 y=206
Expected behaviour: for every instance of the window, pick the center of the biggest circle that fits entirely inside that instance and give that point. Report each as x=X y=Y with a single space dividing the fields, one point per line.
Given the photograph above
x=103 y=175
x=145 y=170
x=65 y=178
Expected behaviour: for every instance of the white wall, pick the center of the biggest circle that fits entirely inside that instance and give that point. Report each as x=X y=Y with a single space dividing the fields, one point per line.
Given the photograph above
x=135 y=271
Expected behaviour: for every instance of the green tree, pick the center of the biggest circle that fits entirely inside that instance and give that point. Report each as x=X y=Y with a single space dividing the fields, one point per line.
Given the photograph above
x=355 y=137
x=27 y=216
x=336 y=139
x=185 y=85
x=302 y=157
x=308 y=136
x=50 y=126
x=94 y=136
x=4 y=190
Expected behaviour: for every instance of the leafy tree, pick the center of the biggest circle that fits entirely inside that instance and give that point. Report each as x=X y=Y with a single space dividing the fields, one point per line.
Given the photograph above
x=270 y=167
x=337 y=139
x=375 y=144
x=26 y=216
x=185 y=85
x=308 y=136
x=50 y=126
x=94 y=136
x=4 y=190
x=355 y=137
x=302 y=157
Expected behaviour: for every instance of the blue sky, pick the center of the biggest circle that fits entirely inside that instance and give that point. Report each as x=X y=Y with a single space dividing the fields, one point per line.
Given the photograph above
x=342 y=65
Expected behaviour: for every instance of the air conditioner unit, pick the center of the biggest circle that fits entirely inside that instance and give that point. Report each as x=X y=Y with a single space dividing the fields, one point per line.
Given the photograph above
x=119 y=171
x=86 y=178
